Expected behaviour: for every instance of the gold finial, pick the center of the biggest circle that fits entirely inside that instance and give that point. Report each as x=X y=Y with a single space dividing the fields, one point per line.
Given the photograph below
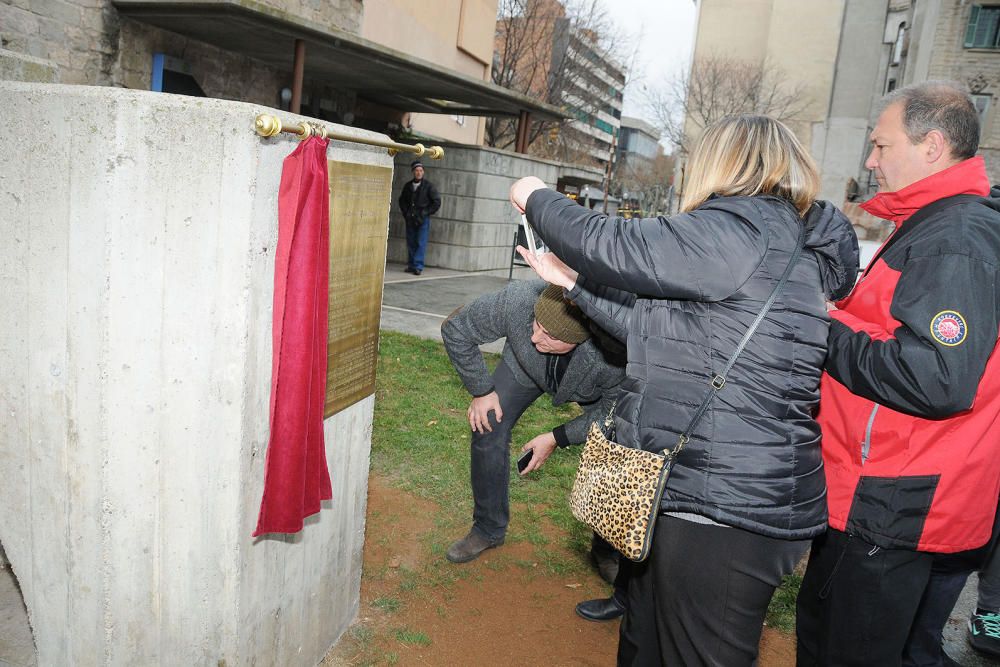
x=267 y=125
x=419 y=150
x=435 y=152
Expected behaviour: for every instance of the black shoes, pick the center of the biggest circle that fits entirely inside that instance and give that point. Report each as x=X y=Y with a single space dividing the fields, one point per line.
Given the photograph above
x=469 y=547
x=603 y=609
x=412 y=270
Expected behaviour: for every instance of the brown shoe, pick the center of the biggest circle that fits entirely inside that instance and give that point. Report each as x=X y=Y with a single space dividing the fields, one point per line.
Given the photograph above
x=469 y=547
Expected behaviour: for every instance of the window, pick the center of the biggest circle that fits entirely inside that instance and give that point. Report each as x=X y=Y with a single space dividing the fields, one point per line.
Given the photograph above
x=982 y=32
x=897 y=48
x=982 y=103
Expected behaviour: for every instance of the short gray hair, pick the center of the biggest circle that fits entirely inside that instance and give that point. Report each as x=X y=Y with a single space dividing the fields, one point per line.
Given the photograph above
x=944 y=106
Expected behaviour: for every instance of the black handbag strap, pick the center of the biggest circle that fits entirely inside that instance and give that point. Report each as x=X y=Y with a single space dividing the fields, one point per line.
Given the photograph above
x=719 y=381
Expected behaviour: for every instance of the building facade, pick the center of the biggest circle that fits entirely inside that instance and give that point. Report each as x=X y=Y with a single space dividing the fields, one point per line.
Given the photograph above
x=593 y=94
x=402 y=69
x=553 y=56
x=457 y=34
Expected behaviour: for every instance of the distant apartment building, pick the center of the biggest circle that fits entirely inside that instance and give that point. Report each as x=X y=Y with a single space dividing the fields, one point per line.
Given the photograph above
x=593 y=95
x=387 y=65
x=551 y=57
x=639 y=142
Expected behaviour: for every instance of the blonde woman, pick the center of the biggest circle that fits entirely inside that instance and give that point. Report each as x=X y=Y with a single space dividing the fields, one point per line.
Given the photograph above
x=747 y=493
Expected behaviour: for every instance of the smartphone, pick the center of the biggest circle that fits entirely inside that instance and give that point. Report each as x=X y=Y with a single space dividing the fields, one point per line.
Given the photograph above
x=524 y=459
x=529 y=234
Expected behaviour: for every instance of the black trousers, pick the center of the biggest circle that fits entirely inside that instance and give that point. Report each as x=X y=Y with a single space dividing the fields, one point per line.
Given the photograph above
x=701 y=596
x=858 y=601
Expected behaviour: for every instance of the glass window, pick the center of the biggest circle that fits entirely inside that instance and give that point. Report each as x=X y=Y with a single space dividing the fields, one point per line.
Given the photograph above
x=982 y=31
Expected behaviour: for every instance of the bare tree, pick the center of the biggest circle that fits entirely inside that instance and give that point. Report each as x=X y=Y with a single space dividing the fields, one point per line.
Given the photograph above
x=544 y=49
x=647 y=182
x=719 y=86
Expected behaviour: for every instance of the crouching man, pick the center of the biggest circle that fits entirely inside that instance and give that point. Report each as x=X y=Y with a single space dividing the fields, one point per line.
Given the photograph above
x=548 y=350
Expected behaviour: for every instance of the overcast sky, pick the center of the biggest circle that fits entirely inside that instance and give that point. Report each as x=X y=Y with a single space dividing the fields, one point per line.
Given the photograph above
x=665 y=33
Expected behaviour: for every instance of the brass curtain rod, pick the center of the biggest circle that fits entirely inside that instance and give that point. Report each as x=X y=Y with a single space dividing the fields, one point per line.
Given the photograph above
x=268 y=126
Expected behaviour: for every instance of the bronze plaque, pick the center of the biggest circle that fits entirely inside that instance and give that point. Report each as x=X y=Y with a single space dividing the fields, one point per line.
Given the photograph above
x=359 y=217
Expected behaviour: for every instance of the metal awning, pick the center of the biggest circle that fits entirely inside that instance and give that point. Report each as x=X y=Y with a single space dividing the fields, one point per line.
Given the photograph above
x=334 y=57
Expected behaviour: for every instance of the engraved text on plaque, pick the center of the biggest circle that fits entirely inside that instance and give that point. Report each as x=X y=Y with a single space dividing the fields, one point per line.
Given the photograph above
x=359 y=214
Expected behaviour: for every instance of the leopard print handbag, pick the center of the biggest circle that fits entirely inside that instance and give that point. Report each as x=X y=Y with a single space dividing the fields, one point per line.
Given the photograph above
x=618 y=489
x=617 y=492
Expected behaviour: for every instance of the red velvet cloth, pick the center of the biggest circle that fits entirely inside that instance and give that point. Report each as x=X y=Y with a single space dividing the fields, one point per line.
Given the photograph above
x=296 y=478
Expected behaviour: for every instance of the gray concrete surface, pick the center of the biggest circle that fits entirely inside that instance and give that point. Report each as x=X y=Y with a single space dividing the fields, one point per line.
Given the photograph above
x=136 y=281
x=417 y=305
x=955 y=643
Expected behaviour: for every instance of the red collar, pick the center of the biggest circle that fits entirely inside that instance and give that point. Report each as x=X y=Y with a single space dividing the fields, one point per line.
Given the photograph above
x=968 y=177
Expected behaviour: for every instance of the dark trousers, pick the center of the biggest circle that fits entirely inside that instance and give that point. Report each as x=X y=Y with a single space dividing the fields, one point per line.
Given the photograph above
x=858 y=601
x=949 y=572
x=490 y=466
x=416 y=243
x=701 y=596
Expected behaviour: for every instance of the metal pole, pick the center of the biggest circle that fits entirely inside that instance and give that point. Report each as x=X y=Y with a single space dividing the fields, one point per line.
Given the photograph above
x=298 y=71
x=607 y=173
x=521 y=142
x=267 y=125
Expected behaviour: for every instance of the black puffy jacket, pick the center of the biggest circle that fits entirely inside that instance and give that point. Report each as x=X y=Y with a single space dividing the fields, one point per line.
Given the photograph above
x=683 y=290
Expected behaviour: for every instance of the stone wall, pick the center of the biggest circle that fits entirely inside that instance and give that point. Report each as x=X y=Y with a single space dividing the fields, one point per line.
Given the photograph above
x=136 y=290
x=474 y=229
x=90 y=43
x=952 y=61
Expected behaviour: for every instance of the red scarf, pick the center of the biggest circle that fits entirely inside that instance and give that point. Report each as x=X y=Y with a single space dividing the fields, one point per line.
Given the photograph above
x=968 y=177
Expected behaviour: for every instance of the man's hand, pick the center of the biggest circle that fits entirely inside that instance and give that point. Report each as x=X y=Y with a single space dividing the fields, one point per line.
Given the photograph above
x=479 y=411
x=550 y=268
x=543 y=445
x=522 y=189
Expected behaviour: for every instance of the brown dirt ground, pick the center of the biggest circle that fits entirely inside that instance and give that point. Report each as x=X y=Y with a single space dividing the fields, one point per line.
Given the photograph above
x=504 y=611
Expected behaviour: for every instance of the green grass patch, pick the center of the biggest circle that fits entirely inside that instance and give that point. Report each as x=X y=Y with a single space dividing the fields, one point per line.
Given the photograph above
x=413 y=637
x=420 y=440
x=387 y=603
x=781 y=612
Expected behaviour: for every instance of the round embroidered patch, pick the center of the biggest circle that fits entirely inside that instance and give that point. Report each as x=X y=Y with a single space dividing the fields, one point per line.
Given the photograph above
x=948 y=328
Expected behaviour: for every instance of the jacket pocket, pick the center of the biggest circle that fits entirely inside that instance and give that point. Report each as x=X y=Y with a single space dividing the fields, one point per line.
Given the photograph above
x=891 y=511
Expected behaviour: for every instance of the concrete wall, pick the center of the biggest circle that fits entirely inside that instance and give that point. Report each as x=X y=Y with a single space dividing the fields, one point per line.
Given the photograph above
x=476 y=224
x=841 y=140
x=136 y=293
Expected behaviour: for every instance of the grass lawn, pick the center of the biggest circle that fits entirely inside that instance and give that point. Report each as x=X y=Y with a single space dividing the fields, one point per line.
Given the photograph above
x=420 y=441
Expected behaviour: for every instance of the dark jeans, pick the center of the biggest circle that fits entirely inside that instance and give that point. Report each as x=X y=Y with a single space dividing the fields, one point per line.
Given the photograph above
x=701 y=596
x=416 y=243
x=949 y=573
x=491 y=455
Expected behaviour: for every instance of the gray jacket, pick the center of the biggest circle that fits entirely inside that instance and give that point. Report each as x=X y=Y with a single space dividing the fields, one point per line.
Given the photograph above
x=683 y=290
x=592 y=378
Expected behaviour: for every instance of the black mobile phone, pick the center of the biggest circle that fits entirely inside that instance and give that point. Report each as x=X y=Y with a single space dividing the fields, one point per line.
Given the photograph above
x=524 y=459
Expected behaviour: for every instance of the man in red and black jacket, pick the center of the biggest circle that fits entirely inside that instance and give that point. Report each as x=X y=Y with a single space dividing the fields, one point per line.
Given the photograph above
x=910 y=402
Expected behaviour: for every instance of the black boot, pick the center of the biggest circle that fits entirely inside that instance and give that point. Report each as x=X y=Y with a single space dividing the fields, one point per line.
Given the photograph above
x=602 y=609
